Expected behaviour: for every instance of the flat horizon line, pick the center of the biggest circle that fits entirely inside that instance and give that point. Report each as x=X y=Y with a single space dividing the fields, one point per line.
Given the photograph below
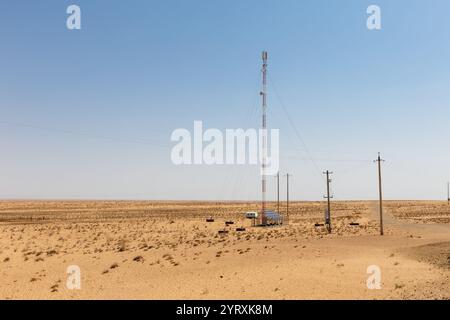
x=199 y=200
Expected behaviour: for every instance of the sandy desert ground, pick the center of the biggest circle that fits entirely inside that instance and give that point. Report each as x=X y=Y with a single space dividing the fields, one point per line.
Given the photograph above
x=166 y=250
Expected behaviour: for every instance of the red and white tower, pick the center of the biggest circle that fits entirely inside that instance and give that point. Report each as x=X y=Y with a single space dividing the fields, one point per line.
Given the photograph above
x=264 y=138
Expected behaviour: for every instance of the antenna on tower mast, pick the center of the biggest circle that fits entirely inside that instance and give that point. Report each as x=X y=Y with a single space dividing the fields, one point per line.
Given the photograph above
x=264 y=138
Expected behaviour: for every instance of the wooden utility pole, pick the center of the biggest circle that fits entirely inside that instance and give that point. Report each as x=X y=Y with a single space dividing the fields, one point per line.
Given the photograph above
x=287 y=197
x=379 y=160
x=278 y=192
x=448 y=193
x=328 y=197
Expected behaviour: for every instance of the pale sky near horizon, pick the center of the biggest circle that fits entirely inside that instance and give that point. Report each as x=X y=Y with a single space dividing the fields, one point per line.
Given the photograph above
x=88 y=114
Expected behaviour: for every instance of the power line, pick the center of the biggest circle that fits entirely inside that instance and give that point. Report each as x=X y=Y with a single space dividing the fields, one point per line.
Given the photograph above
x=328 y=159
x=89 y=135
x=299 y=136
x=248 y=117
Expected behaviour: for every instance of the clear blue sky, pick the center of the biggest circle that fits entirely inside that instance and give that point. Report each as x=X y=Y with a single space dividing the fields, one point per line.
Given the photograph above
x=89 y=113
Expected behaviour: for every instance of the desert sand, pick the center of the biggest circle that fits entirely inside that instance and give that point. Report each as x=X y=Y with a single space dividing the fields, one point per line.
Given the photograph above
x=167 y=250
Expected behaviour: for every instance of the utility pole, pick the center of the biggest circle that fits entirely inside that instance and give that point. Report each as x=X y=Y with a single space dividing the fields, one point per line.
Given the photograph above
x=264 y=132
x=287 y=197
x=328 y=197
x=278 y=192
x=379 y=160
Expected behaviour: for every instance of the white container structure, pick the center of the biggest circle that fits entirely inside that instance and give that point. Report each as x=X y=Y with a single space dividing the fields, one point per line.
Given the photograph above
x=251 y=215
